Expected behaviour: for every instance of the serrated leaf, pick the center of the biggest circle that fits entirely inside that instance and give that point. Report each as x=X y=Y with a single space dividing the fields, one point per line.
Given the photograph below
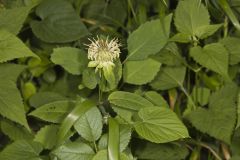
x=11 y=103
x=220 y=117
x=169 y=55
x=156 y=99
x=168 y=151
x=232 y=45
x=12 y=19
x=129 y=101
x=140 y=72
x=169 y=77
x=71 y=59
x=74 y=151
x=47 y=136
x=42 y=98
x=59 y=22
x=159 y=125
x=54 y=112
x=181 y=38
x=12 y=47
x=90 y=125
x=14 y=131
x=190 y=15
x=149 y=38
x=22 y=150
x=207 y=30
x=213 y=56
x=79 y=110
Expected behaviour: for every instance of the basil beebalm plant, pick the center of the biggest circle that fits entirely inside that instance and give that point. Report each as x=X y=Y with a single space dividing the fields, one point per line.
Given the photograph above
x=119 y=80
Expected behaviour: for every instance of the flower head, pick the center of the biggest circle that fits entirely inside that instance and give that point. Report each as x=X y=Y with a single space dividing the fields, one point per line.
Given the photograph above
x=102 y=53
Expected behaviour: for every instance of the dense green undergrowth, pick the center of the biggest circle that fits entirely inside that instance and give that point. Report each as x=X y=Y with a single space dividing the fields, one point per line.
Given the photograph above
x=66 y=93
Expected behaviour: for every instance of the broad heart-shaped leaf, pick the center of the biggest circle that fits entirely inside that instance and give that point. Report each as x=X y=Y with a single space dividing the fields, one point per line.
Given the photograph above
x=74 y=151
x=140 y=72
x=12 y=47
x=220 y=118
x=159 y=125
x=14 y=131
x=54 y=112
x=13 y=19
x=156 y=99
x=149 y=38
x=22 y=150
x=233 y=47
x=169 y=77
x=168 y=151
x=190 y=15
x=59 y=22
x=213 y=56
x=47 y=136
x=71 y=59
x=128 y=101
x=89 y=126
x=11 y=105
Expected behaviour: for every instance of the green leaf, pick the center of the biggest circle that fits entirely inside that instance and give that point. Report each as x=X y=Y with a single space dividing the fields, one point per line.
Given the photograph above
x=213 y=56
x=220 y=117
x=22 y=150
x=11 y=103
x=71 y=59
x=12 y=19
x=72 y=117
x=42 y=98
x=169 y=55
x=12 y=47
x=14 y=131
x=156 y=99
x=74 y=151
x=149 y=38
x=169 y=151
x=140 y=72
x=207 y=30
x=181 y=38
x=160 y=125
x=47 y=136
x=190 y=15
x=53 y=112
x=113 y=139
x=169 y=77
x=232 y=45
x=89 y=78
x=59 y=22
x=129 y=101
x=90 y=125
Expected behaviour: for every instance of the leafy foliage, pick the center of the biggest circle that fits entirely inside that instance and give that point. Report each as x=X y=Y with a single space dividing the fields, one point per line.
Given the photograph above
x=119 y=79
